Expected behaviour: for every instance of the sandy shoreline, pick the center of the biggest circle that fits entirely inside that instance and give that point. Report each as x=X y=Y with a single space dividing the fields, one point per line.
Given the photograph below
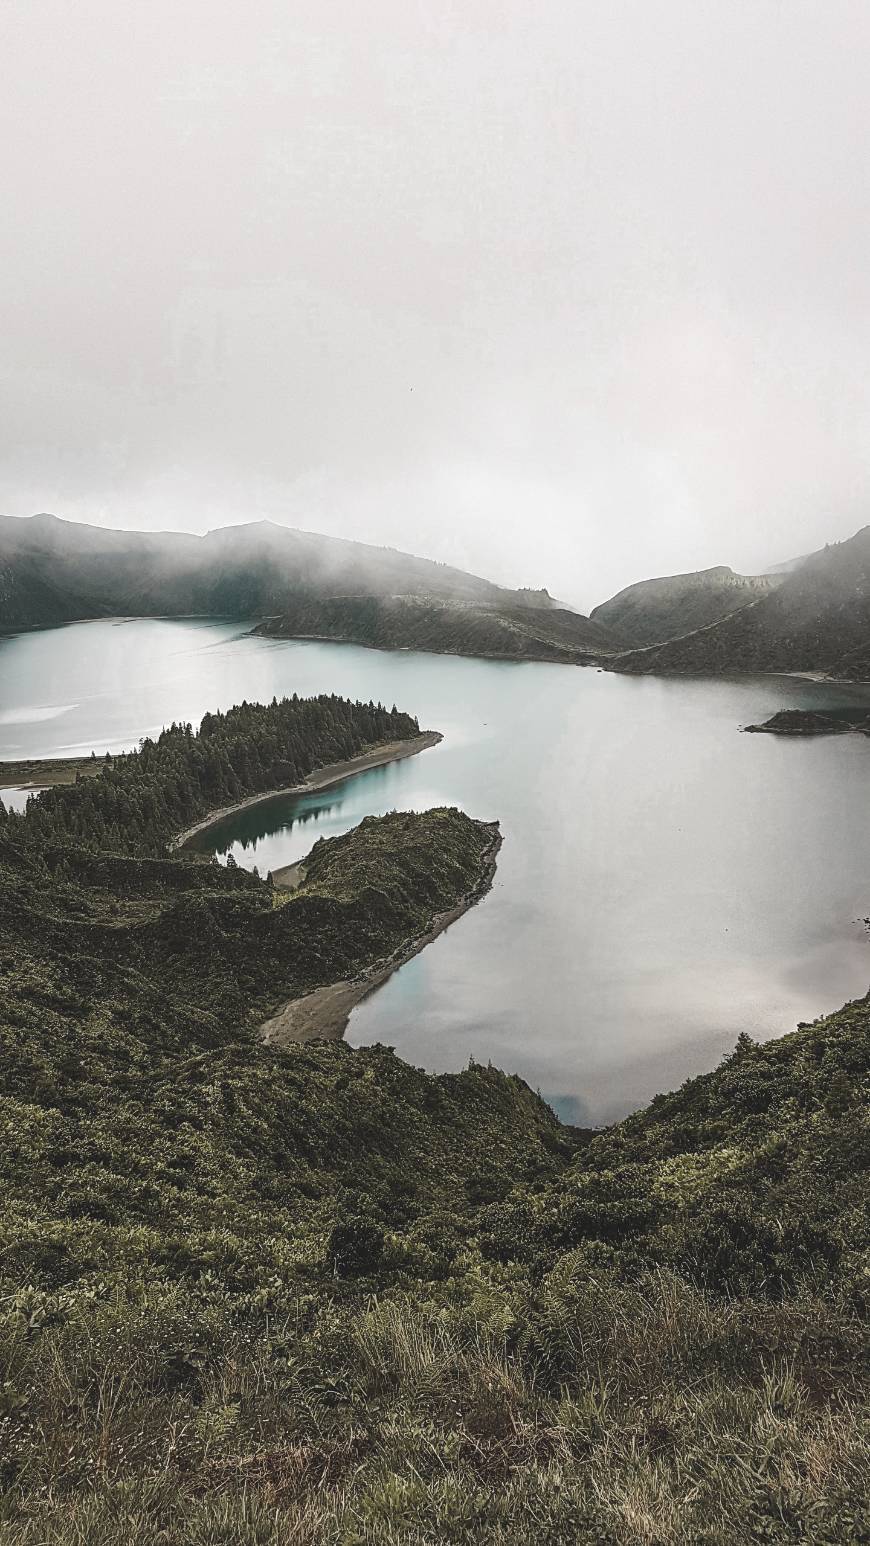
x=325 y=1012
x=323 y=778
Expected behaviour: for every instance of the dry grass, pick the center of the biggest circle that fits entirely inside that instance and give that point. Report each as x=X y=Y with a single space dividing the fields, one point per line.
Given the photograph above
x=406 y=1422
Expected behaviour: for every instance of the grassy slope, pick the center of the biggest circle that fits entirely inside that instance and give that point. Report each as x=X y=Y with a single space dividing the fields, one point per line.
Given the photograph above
x=251 y=1295
x=423 y=623
x=54 y=571
x=656 y=610
x=818 y=619
x=257 y=1295
x=170 y=1186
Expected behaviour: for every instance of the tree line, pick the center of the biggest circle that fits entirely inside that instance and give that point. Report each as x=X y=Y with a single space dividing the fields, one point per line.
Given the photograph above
x=139 y=800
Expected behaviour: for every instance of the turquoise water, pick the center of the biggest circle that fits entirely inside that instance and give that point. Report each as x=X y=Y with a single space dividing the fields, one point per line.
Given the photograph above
x=664 y=883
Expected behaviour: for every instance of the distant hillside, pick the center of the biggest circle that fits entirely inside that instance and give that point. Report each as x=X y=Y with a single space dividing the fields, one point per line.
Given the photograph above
x=789 y=566
x=52 y=571
x=818 y=619
x=654 y=611
x=508 y=632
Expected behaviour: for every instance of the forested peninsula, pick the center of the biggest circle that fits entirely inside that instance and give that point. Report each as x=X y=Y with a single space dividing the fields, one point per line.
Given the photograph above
x=143 y=802
x=260 y=1293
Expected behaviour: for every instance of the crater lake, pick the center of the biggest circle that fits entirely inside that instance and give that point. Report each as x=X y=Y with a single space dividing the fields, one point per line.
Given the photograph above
x=665 y=881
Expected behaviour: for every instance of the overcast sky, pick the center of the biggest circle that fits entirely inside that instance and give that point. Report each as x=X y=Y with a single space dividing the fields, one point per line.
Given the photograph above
x=567 y=293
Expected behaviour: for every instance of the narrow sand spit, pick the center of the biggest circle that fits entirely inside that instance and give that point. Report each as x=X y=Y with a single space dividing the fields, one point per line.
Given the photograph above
x=42 y=773
x=325 y=1012
x=322 y=778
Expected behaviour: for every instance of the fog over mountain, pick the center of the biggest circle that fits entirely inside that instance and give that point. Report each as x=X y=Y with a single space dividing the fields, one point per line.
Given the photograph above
x=564 y=296
x=306 y=585
x=814 y=618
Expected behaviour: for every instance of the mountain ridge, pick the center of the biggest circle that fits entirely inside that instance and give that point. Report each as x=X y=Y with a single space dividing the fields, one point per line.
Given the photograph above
x=816 y=619
x=445 y=626
x=54 y=571
x=664 y=607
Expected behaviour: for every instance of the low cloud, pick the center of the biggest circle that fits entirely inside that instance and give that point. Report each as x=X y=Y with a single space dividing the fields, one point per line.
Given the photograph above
x=567 y=297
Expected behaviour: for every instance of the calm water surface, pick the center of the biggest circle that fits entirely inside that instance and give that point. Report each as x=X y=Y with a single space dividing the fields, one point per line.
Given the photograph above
x=664 y=883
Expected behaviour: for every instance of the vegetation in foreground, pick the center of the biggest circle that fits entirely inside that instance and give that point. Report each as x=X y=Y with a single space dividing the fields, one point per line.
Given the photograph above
x=311 y=1295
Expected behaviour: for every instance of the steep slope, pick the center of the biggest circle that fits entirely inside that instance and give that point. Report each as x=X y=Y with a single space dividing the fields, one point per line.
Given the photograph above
x=503 y=632
x=653 y=611
x=818 y=619
x=256 y=1295
x=789 y=565
x=52 y=571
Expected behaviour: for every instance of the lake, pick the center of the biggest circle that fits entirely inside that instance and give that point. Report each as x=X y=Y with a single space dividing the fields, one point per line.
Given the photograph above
x=664 y=884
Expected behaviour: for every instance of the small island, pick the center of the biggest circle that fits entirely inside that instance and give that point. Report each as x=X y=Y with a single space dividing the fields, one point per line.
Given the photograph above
x=839 y=721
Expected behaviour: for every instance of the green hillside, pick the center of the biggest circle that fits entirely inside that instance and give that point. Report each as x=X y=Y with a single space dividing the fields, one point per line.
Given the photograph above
x=653 y=611
x=308 y=586
x=509 y=632
x=259 y=1295
x=818 y=619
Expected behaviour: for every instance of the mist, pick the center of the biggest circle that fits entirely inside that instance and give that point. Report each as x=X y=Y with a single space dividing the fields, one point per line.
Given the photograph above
x=564 y=295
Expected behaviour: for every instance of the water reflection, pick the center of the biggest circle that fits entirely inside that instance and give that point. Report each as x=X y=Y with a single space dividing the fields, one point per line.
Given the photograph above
x=279 y=831
x=665 y=882
x=245 y=832
x=16 y=799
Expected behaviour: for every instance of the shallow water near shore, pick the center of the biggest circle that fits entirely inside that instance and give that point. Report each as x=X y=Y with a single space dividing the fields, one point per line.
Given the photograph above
x=664 y=883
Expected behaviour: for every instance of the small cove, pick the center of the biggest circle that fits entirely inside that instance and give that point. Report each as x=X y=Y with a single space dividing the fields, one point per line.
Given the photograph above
x=665 y=882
